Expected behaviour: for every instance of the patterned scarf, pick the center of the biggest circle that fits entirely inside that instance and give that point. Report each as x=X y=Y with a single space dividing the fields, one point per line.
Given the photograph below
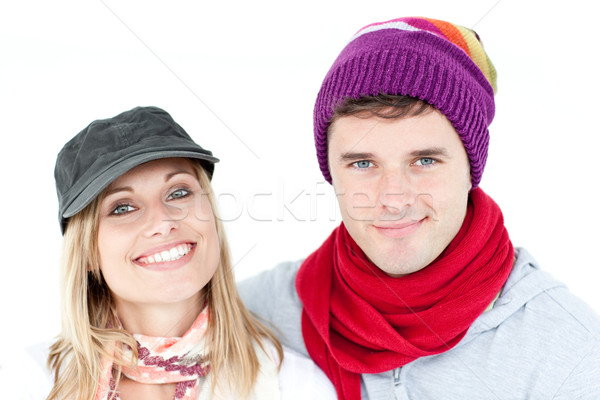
x=356 y=319
x=163 y=360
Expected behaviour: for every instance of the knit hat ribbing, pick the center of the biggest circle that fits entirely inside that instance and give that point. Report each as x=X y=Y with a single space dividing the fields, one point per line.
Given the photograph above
x=436 y=61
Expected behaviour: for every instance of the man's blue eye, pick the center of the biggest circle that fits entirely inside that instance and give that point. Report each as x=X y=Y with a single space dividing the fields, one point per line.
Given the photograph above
x=362 y=164
x=425 y=161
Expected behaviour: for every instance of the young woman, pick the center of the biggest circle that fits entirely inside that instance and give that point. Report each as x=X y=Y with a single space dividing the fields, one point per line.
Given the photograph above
x=150 y=308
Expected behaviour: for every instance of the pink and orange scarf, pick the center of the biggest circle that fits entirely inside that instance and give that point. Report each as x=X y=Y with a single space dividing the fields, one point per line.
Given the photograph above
x=164 y=360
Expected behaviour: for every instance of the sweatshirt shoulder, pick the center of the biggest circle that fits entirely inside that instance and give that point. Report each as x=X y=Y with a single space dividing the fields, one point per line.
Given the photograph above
x=276 y=282
x=551 y=300
x=271 y=295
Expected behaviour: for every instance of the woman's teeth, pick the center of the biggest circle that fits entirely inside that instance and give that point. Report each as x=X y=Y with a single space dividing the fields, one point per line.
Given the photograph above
x=167 y=255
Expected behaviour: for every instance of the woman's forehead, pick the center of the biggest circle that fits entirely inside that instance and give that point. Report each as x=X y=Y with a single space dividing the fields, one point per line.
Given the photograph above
x=166 y=167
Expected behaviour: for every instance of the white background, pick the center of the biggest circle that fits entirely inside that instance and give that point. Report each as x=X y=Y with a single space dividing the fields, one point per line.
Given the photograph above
x=241 y=77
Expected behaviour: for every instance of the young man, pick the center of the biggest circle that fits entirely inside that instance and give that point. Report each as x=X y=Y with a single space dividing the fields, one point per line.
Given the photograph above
x=419 y=293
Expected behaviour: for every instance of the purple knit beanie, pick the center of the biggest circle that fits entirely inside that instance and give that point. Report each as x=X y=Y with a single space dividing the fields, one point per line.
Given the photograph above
x=436 y=61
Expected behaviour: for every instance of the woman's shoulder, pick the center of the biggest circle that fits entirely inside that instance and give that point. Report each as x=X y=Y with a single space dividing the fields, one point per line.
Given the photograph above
x=24 y=374
x=301 y=378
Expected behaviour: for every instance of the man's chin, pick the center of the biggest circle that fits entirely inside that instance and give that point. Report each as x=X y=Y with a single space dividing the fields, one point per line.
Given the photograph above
x=396 y=269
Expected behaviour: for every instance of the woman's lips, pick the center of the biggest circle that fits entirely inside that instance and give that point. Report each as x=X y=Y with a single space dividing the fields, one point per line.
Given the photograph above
x=167 y=257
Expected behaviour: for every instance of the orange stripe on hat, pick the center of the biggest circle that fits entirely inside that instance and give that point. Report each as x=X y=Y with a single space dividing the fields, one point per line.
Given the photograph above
x=452 y=33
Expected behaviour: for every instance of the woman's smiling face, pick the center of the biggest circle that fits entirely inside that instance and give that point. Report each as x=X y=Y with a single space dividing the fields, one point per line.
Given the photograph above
x=157 y=238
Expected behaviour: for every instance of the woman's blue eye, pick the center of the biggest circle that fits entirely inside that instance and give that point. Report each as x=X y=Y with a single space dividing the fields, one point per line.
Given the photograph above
x=425 y=161
x=362 y=164
x=122 y=209
x=178 y=194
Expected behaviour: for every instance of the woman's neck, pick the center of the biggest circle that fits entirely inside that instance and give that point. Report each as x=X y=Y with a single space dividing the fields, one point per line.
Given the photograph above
x=162 y=320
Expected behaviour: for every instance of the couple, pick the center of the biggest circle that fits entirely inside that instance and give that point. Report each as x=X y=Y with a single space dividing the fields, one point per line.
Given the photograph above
x=418 y=294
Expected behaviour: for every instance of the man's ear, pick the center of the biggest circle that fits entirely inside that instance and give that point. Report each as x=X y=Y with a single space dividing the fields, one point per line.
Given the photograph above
x=470 y=181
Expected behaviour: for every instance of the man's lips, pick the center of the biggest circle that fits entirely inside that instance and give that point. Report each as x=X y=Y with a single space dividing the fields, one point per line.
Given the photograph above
x=398 y=229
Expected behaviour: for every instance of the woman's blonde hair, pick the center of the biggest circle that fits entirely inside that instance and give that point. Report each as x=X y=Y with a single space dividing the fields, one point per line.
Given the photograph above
x=89 y=317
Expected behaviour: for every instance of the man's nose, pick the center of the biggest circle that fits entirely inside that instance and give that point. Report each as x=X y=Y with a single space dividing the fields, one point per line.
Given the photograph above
x=396 y=190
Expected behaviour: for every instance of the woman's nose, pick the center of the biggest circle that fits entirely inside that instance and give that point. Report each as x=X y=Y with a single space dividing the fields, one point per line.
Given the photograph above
x=163 y=218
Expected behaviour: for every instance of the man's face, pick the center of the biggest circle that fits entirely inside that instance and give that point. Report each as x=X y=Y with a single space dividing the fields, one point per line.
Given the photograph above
x=402 y=186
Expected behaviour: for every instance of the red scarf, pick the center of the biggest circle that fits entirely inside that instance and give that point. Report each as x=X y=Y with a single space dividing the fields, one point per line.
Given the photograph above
x=356 y=319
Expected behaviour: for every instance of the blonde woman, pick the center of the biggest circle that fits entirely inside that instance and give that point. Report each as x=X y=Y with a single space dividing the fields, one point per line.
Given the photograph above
x=150 y=308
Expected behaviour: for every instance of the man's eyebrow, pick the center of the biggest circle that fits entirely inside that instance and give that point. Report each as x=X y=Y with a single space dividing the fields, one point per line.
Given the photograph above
x=430 y=152
x=427 y=152
x=350 y=156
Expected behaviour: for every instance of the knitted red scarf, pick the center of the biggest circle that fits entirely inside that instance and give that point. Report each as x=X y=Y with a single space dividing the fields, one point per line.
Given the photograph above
x=356 y=319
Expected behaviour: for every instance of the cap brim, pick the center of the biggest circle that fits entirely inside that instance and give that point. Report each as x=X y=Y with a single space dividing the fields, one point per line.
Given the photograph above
x=105 y=178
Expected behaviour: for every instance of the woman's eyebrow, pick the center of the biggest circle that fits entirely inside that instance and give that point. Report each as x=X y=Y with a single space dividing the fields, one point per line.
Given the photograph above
x=170 y=175
x=119 y=189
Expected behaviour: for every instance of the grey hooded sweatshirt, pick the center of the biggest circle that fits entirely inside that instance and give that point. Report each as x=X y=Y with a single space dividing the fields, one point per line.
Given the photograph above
x=538 y=341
